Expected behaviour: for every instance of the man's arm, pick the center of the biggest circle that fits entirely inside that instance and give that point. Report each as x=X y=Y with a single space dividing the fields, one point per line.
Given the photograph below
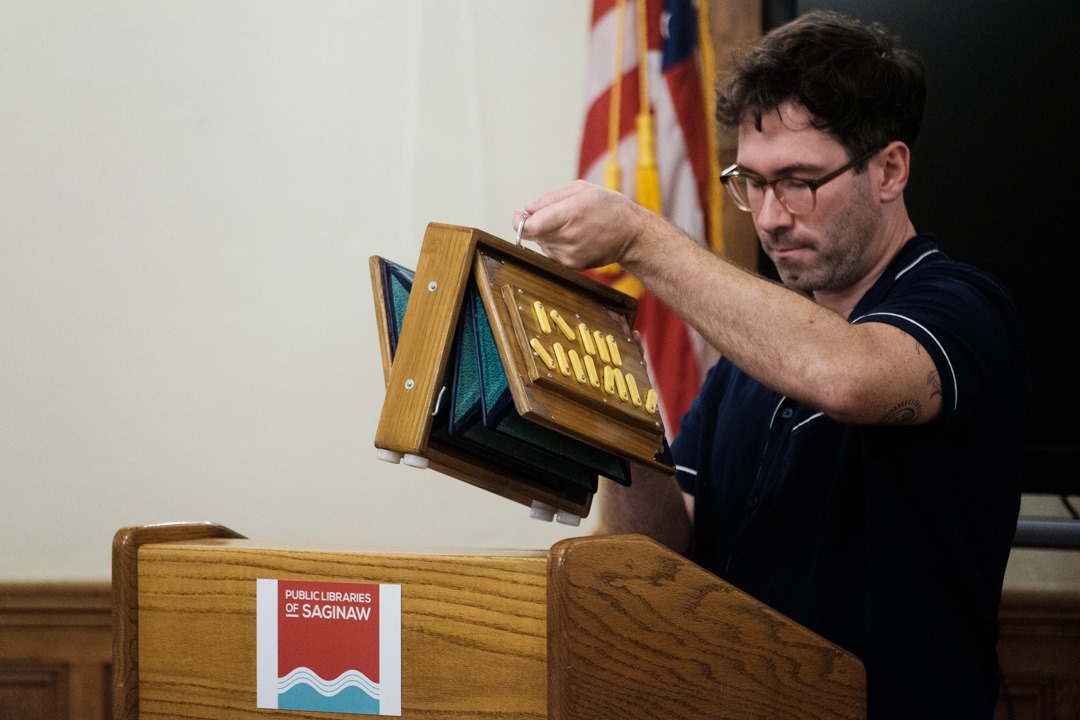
x=864 y=373
x=653 y=505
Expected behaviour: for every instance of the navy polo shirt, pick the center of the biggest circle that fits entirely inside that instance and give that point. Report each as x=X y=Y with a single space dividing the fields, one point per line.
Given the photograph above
x=890 y=541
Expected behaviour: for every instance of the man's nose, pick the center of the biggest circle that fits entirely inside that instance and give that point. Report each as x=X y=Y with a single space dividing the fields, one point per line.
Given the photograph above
x=773 y=214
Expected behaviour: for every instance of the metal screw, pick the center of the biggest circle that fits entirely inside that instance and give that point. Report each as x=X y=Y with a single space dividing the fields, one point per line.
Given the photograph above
x=409 y=384
x=432 y=285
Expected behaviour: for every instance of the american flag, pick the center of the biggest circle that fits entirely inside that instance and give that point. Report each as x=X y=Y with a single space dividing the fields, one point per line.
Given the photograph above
x=685 y=159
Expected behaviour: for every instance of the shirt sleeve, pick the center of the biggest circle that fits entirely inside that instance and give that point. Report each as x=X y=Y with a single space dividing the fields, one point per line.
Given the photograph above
x=967 y=324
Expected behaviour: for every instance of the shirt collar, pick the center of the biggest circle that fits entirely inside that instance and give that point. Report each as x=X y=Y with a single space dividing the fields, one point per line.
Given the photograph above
x=915 y=251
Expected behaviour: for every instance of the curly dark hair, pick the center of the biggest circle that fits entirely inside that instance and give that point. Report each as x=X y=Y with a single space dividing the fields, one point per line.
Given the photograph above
x=861 y=86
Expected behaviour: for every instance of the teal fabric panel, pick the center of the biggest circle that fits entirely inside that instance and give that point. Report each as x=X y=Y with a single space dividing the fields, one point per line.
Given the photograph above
x=477 y=413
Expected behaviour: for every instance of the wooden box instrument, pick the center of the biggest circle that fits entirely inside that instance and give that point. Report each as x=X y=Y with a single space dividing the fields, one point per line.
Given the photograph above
x=510 y=372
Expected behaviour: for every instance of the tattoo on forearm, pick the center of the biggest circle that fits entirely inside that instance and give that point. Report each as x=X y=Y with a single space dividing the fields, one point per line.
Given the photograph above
x=934 y=381
x=903 y=413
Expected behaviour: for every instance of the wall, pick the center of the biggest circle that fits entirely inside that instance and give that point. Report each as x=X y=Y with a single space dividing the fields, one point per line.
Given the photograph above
x=190 y=193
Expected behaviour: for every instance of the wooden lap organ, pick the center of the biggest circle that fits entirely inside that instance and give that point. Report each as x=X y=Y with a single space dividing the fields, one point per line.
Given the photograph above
x=510 y=372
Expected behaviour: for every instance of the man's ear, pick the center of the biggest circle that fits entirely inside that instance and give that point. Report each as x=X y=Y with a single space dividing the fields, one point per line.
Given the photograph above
x=895 y=162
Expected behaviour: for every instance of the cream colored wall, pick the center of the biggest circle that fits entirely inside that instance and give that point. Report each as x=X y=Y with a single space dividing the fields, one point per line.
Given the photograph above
x=189 y=193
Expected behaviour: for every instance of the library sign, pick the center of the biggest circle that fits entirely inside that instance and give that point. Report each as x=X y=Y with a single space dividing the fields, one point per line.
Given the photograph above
x=329 y=647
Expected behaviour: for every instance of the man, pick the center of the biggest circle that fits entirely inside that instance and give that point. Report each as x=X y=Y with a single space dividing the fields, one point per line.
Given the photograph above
x=854 y=460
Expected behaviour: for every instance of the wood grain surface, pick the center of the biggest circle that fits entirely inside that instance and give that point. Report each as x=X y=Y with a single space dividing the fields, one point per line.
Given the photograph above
x=473 y=637
x=125 y=602
x=636 y=631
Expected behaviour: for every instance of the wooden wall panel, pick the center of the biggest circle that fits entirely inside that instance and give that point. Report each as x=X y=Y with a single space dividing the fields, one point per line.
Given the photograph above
x=33 y=691
x=1039 y=651
x=734 y=24
x=55 y=651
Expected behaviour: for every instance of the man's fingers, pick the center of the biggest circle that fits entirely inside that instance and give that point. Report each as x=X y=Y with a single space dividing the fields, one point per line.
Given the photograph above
x=535 y=225
x=553 y=196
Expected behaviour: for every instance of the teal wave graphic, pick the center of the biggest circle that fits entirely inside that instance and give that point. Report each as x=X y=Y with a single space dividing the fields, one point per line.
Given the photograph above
x=350 y=692
x=349 y=678
x=349 y=700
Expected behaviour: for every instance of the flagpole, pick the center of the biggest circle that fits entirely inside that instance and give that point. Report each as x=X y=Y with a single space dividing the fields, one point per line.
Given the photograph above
x=648 y=178
x=715 y=217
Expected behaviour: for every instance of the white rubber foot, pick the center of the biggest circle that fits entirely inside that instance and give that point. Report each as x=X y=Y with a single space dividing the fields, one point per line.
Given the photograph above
x=388 y=456
x=568 y=518
x=416 y=461
x=541 y=511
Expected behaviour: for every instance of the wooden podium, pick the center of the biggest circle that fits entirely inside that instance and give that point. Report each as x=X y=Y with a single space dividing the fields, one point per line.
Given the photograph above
x=598 y=628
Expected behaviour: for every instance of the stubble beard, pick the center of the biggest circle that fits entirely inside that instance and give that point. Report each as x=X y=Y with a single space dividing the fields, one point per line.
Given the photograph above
x=839 y=255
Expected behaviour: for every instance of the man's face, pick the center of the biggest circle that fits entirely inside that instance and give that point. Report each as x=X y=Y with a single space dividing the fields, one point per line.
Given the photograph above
x=831 y=248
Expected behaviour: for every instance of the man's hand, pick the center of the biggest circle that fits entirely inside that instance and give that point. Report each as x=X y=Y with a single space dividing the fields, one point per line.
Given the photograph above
x=582 y=225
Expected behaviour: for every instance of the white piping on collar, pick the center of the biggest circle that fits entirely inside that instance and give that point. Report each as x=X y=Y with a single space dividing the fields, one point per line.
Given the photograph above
x=776 y=410
x=794 y=427
x=915 y=262
x=815 y=416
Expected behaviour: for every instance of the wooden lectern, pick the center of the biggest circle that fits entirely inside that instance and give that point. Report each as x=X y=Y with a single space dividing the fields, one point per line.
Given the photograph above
x=598 y=628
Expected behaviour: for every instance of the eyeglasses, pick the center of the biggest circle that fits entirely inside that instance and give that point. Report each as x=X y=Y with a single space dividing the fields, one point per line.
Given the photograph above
x=798 y=197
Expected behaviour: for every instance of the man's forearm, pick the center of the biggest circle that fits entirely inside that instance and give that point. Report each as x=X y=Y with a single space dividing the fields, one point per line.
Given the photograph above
x=653 y=505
